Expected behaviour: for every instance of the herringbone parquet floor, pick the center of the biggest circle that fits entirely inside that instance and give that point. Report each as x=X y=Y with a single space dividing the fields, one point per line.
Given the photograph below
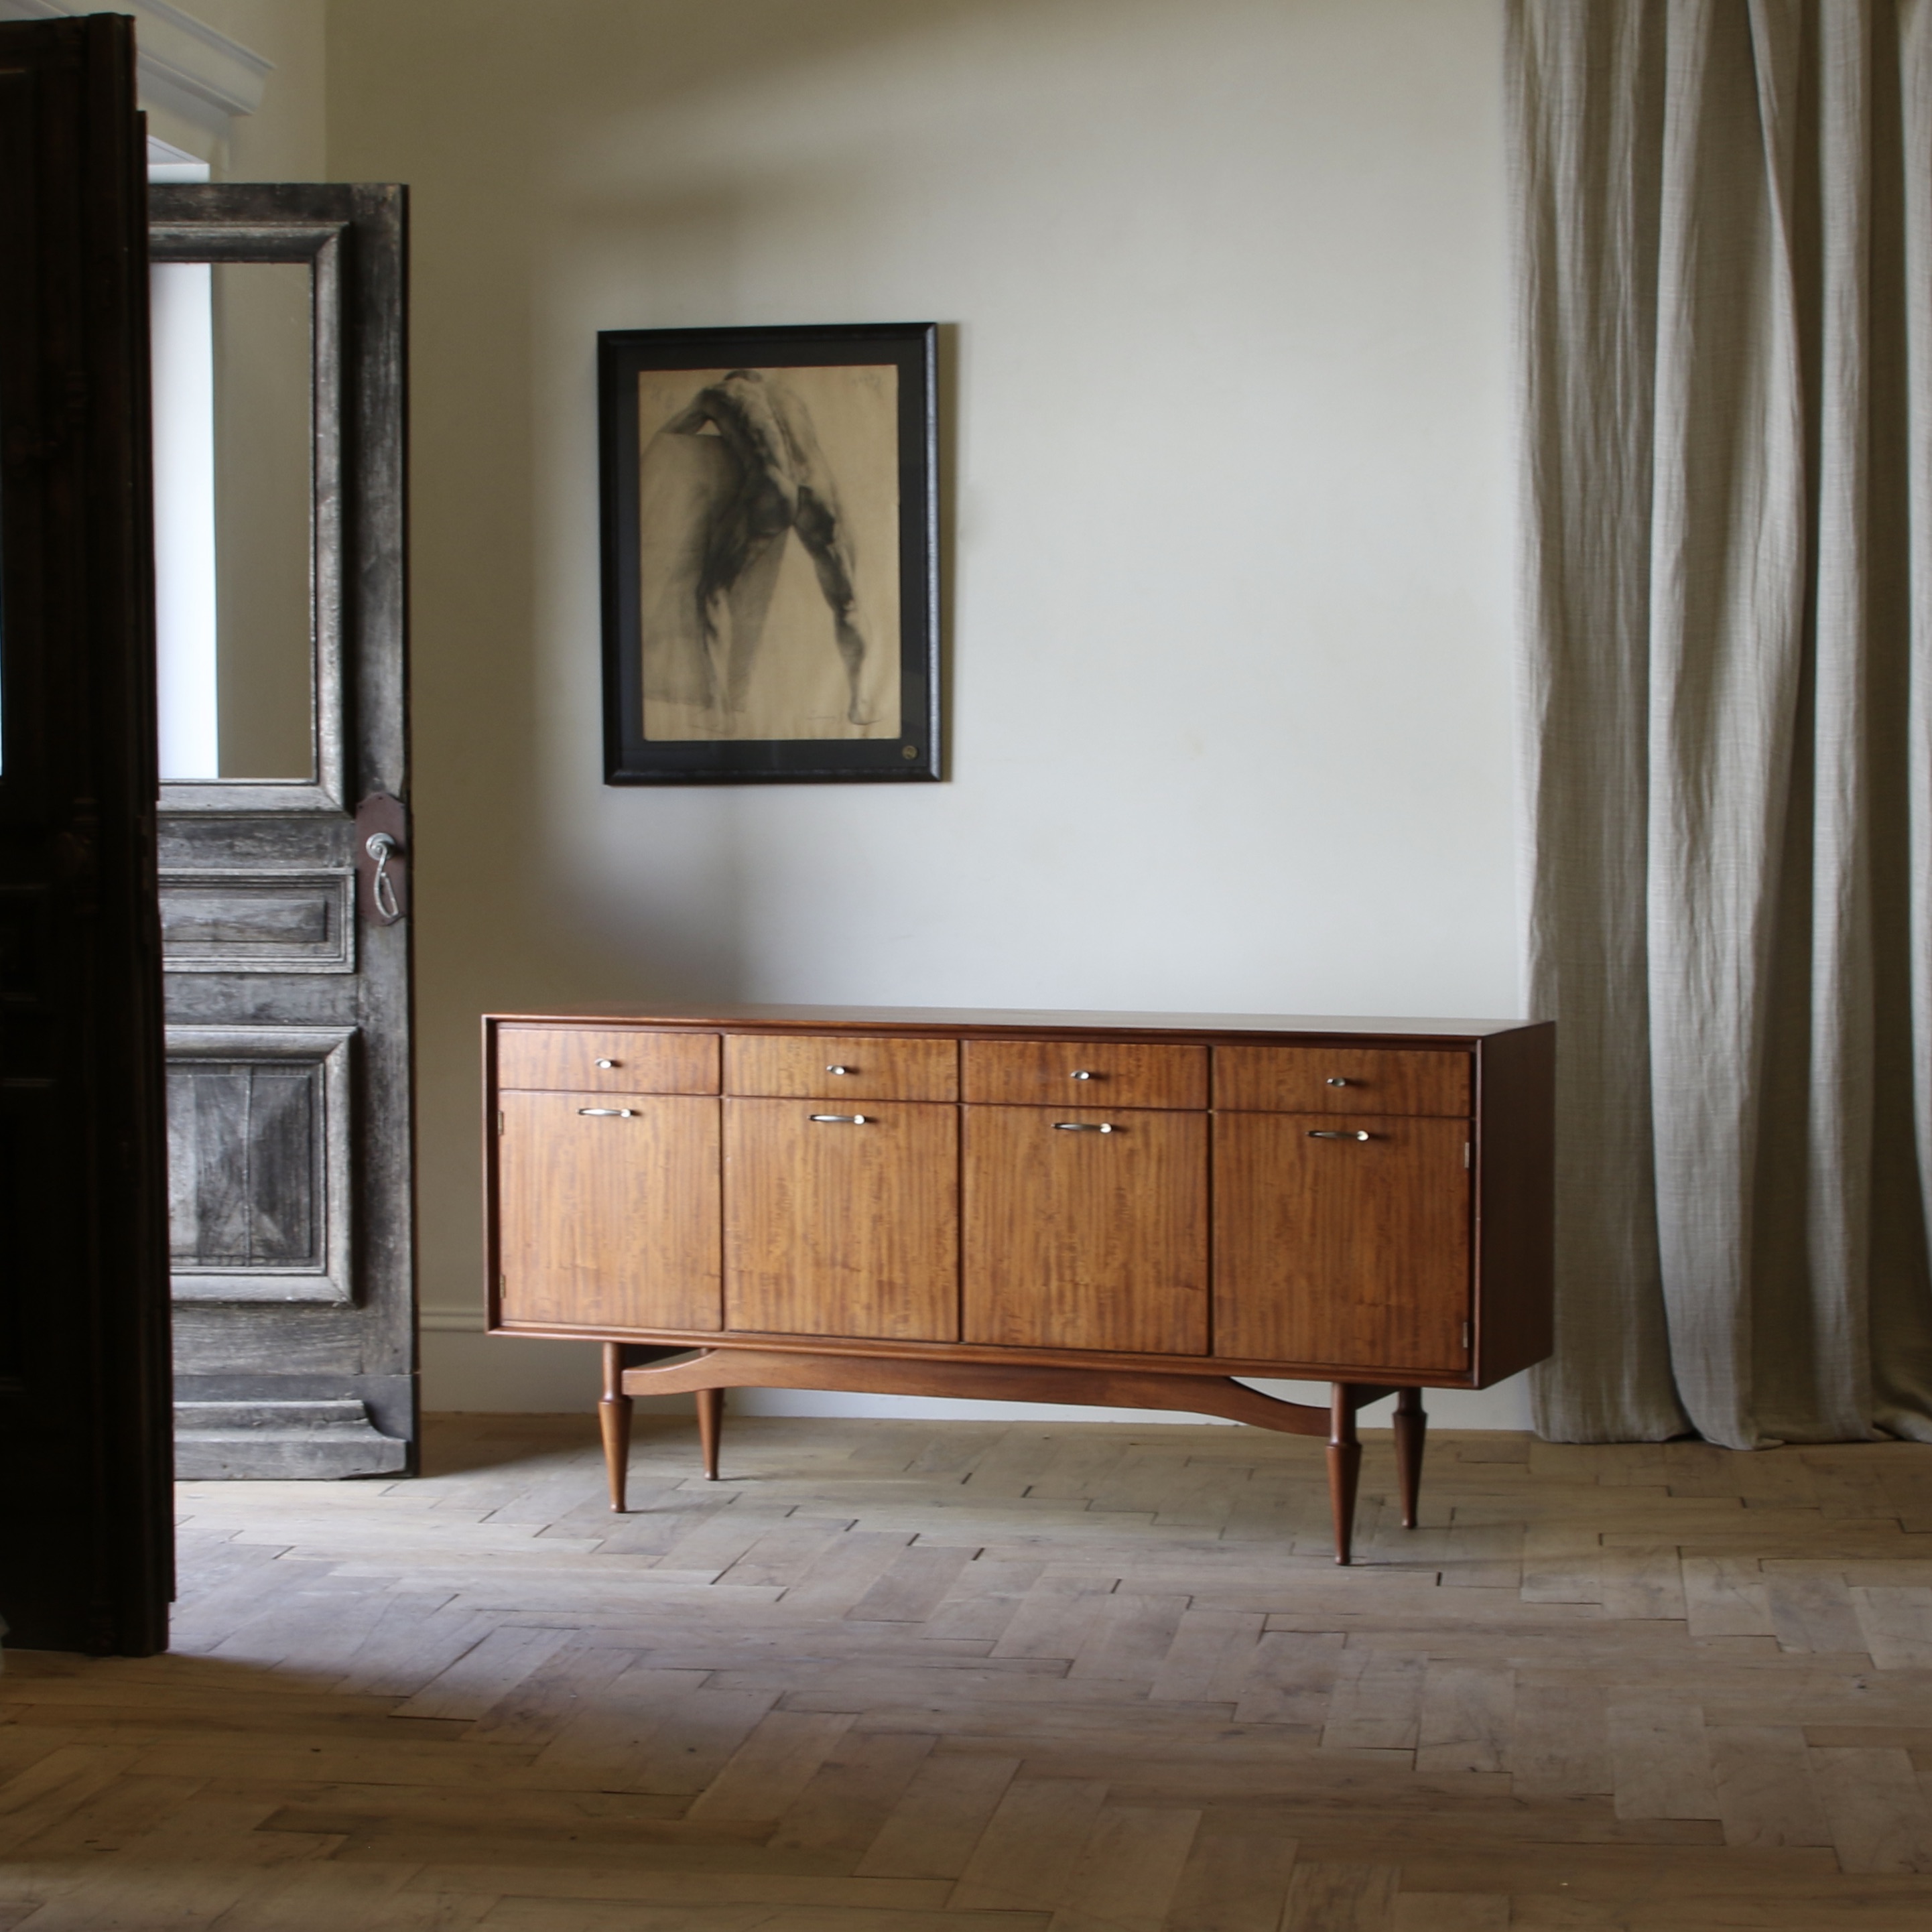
x=964 y=1677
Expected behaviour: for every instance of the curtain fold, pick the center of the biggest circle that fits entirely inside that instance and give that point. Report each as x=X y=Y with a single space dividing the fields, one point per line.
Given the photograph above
x=1725 y=285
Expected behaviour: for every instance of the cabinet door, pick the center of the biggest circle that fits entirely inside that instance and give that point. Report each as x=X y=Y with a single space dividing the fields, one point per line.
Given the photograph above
x=1342 y=1252
x=1077 y=1238
x=607 y=1208
x=844 y=1223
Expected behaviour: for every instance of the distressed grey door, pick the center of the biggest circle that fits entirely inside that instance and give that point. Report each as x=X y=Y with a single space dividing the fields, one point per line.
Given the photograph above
x=284 y=835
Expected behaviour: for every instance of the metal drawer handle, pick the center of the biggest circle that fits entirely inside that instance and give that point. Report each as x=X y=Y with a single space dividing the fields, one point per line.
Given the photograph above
x=607 y=1062
x=839 y=1069
x=1080 y=1073
x=1337 y=1134
x=1334 y=1082
x=608 y=1113
x=841 y=1119
x=1081 y=1127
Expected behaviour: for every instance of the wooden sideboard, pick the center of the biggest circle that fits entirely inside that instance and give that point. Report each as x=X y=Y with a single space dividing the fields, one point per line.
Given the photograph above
x=1128 y=1210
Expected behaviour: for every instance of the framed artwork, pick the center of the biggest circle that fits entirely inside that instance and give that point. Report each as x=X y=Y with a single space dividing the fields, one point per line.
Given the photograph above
x=769 y=529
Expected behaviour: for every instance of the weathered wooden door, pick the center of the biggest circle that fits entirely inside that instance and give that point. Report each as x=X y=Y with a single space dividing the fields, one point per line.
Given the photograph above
x=285 y=914
x=85 y=1534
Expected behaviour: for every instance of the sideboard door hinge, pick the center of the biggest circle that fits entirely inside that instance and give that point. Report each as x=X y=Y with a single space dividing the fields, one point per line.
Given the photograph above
x=1466 y=1148
x=500 y=1128
x=1468 y=1336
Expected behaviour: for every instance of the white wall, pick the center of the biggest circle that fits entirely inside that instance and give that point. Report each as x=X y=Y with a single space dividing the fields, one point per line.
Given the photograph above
x=1227 y=437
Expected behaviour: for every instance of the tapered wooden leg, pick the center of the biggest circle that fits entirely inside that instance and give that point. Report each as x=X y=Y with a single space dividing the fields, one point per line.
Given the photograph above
x=614 y=1416
x=710 y=1419
x=1412 y=1427
x=1344 y=1467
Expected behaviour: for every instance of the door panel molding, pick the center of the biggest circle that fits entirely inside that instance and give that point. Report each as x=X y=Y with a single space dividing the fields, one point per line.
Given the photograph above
x=260 y=1182
x=275 y=919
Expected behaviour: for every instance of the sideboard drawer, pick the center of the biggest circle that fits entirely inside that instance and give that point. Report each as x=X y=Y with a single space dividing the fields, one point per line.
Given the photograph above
x=841 y=1067
x=1087 y=1073
x=605 y=1060
x=1342 y=1080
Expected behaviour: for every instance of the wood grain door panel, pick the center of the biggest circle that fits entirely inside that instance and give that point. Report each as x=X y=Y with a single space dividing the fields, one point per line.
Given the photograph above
x=1083 y=1239
x=606 y=1060
x=835 y=1227
x=1083 y=1072
x=1342 y=1253
x=608 y=1218
x=1343 y=1080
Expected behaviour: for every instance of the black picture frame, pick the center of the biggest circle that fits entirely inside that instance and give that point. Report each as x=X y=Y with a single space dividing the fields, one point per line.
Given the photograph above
x=770 y=554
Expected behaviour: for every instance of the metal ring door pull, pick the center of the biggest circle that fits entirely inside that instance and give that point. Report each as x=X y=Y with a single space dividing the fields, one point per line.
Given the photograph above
x=381 y=848
x=841 y=1119
x=1082 y=1127
x=1337 y=1134
x=608 y=1113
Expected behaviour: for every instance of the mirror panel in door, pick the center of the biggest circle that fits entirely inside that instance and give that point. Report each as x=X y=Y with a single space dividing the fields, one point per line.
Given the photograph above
x=264 y=517
x=234 y=367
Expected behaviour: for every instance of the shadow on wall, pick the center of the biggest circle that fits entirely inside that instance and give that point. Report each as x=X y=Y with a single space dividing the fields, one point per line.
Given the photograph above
x=512 y=890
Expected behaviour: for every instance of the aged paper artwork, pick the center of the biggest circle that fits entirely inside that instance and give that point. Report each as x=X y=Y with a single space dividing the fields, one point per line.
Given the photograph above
x=768 y=567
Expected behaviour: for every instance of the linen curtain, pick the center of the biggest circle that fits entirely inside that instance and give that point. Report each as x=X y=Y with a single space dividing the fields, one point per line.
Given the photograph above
x=1724 y=263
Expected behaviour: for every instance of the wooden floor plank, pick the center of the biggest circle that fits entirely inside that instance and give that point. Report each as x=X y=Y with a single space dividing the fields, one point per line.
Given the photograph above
x=920 y=1677
x=1026 y=1856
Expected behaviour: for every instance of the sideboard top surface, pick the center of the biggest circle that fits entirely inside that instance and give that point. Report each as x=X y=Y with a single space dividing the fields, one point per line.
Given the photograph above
x=997 y=1019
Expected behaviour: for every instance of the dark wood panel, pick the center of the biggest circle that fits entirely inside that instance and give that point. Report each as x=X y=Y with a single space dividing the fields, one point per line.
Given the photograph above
x=86 y=1560
x=608 y=1218
x=1086 y=1072
x=1347 y=1251
x=1342 y=1079
x=838 y=1229
x=1078 y=1239
x=606 y=1060
x=1516 y=1194
x=827 y=1066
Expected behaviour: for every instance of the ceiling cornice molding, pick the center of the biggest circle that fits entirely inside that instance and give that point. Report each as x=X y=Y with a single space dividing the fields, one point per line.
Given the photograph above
x=184 y=64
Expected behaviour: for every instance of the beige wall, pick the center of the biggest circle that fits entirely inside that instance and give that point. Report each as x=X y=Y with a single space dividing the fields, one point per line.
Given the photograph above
x=1227 y=437
x=286 y=139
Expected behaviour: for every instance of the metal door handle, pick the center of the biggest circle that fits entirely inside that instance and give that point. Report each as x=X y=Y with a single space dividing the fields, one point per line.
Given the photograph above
x=841 y=1119
x=1082 y=1127
x=1336 y=1134
x=839 y=1069
x=1080 y=1073
x=608 y=1113
x=382 y=887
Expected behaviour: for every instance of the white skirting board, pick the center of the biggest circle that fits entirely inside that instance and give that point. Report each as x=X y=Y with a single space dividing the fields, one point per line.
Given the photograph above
x=464 y=1369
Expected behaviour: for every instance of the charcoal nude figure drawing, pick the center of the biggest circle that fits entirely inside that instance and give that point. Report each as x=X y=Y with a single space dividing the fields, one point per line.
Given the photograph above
x=767 y=568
